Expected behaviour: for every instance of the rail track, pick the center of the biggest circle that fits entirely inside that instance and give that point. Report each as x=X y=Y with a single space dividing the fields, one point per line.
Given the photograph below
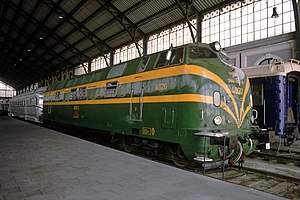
x=262 y=180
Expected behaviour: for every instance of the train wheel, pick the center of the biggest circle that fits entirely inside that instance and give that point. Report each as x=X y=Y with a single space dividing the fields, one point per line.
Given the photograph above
x=238 y=154
x=289 y=140
x=125 y=145
x=177 y=156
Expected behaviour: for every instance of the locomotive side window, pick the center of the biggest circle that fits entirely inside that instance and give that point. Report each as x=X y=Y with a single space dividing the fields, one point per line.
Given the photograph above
x=217 y=98
x=111 y=89
x=162 y=59
x=177 y=56
x=196 y=52
x=82 y=93
x=73 y=94
x=57 y=95
x=143 y=64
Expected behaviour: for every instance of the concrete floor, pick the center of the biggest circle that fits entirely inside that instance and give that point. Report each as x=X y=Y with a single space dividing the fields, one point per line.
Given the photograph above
x=38 y=163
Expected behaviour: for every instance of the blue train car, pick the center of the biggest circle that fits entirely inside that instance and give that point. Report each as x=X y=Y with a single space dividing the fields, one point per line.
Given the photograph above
x=276 y=90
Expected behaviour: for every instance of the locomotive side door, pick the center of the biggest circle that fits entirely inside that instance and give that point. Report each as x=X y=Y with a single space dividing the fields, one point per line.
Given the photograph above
x=136 y=100
x=257 y=86
x=292 y=98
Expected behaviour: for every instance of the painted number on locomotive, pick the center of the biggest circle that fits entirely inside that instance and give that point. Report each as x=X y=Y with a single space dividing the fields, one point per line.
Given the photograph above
x=161 y=86
x=237 y=90
x=75 y=107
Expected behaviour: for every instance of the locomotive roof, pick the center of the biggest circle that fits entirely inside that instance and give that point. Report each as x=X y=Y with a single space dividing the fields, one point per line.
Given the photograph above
x=130 y=67
x=282 y=69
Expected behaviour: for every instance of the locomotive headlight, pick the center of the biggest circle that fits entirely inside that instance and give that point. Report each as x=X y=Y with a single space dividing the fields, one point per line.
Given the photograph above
x=216 y=46
x=218 y=120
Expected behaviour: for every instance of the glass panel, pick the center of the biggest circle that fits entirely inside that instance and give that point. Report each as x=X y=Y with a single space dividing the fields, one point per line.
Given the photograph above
x=217 y=98
x=196 y=52
x=116 y=70
x=111 y=89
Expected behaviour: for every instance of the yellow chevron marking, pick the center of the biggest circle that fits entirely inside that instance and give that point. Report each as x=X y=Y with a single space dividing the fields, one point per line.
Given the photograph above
x=163 y=73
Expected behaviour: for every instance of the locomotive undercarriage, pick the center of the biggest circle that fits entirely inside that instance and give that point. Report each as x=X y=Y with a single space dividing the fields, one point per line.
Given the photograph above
x=233 y=148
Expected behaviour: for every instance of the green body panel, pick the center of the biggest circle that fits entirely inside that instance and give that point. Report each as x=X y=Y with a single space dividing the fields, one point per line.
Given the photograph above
x=145 y=113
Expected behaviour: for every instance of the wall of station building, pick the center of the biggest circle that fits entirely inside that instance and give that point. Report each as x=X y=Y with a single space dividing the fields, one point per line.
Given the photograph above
x=266 y=51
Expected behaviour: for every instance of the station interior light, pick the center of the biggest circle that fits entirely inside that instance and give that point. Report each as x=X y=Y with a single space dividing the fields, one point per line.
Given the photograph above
x=275 y=14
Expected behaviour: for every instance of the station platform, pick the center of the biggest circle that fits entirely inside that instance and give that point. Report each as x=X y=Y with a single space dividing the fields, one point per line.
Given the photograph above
x=38 y=163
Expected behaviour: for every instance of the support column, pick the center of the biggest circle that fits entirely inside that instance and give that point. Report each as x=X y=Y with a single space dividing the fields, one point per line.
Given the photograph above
x=89 y=66
x=199 y=27
x=145 y=46
x=112 y=53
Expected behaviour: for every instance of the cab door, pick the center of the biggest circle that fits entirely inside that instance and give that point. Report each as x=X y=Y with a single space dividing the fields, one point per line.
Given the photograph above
x=136 y=100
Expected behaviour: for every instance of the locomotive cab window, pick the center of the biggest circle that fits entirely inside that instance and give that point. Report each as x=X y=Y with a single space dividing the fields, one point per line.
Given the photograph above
x=111 y=89
x=196 y=52
x=176 y=58
x=217 y=98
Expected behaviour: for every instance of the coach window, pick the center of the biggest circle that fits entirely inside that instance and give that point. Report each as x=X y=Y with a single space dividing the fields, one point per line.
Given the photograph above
x=111 y=89
x=73 y=94
x=217 y=98
x=258 y=94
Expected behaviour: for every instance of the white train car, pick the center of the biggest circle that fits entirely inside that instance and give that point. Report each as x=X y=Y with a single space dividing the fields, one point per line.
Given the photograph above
x=28 y=106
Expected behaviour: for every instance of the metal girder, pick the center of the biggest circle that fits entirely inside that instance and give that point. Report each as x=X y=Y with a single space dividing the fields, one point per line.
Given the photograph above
x=167 y=9
x=188 y=5
x=80 y=27
x=128 y=25
x=18 y=8
x=40 y=43
x=22 y=30
x=296 y=7
x=8 y=82
x=62 y=40
x=19 y=44
x=9 y=57
x=148 y=19
x=17 y=82
x=4 y=9
x=100 y=28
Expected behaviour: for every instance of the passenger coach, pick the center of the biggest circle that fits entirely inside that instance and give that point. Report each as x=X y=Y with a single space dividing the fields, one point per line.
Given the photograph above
x=28 y=106
x=276 y=96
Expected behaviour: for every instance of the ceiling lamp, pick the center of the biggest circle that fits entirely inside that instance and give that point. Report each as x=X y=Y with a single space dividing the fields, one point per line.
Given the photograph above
x=275 y=14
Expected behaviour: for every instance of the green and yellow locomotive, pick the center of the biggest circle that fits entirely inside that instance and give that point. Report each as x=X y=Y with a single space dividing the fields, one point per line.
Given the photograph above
x=183 y=101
